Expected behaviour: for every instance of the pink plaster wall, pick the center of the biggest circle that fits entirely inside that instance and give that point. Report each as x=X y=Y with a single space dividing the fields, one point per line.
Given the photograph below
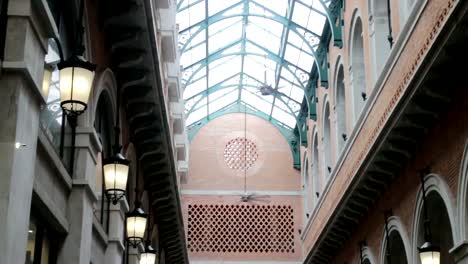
x=272 y=171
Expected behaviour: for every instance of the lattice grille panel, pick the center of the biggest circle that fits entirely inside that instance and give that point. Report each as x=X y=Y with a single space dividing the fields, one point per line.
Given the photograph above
x=241 y=228
x=240 y=153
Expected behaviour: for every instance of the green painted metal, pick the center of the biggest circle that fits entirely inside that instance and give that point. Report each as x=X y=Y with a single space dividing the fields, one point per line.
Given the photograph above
x=219 y=88
x=318 y=46
x=287 y=133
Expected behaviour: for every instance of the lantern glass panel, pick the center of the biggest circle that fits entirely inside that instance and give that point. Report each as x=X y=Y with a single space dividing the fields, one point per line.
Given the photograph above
x=136 y=226
x=148 y=258
x=75 y=86
x=430 y=257
x=115 y=176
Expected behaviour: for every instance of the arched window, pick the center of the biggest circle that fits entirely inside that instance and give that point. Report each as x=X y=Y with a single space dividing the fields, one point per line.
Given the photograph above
x=103 y=124
x=397 y=252
x=440 y=226
x=340 y=108
x=307 y=194
x=379 y=33
x=358 y=74
x=315 y=169
x=327 y=140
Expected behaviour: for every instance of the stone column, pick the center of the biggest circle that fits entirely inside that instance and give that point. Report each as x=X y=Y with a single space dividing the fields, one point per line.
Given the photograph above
x=20 y=81
x=77 y=245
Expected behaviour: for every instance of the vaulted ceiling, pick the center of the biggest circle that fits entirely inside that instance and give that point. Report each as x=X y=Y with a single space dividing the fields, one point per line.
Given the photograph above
x=230 y=49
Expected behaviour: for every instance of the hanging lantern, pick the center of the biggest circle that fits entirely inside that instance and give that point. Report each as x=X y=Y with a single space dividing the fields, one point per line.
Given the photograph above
x=429 y=254
x=136 y=226
x=149 y=256
x=115 y=177
x=76 y=79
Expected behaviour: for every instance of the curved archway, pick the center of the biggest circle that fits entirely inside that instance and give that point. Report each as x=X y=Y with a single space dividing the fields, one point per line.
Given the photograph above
x=440 y=212
x=399 y=251
x=379 y=33
x=340 y=107
x=462 y=197
x=326 y=134
x=315 y=168
x=358 y=74
x=104 y=82
x=367 y=256
x=306 y=188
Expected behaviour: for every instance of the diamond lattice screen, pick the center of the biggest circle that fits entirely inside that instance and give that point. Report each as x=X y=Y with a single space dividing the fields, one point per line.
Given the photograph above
x=242 y=228
x=240 y=153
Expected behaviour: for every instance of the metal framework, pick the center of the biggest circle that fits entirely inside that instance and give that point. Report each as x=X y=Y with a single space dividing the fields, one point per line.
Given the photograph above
x=232 y=48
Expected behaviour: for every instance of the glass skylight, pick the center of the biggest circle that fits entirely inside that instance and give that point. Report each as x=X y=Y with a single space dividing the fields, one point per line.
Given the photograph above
x=230 y=49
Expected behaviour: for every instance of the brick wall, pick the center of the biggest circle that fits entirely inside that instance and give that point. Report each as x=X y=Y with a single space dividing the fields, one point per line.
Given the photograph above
x=443 y=148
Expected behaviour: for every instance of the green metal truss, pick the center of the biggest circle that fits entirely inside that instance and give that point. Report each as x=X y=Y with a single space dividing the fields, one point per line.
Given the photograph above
x=196 y=36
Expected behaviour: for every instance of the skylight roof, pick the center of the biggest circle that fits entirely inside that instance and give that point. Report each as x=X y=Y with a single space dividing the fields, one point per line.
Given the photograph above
x=230 y=49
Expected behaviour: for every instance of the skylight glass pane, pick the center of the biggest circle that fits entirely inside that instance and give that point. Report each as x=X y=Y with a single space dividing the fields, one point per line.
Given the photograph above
x=192 y=56
x=217 y=6
x=316 y=23
x=257 y=70
x=223 y=101
x=190 y=103
x=301 y=14
x=253 y=100
x=317 y=5
x=283 y=117
x=232 y=80
x=263 y=38
x=191 y=15
x=296 y=93
x=199 y=74
x=222 y=71
x=236 y=10
x=195 y=88
x=278 y=6
x=292 y=54
x=224 y=37
x=223 y=93
x=224 y=24
x=271 y=26
x=237 y=62
x=197 y=115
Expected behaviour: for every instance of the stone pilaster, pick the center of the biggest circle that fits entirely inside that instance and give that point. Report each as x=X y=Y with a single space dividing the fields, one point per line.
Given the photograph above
x=77 y=245
x=21 y=73
x=115 y=248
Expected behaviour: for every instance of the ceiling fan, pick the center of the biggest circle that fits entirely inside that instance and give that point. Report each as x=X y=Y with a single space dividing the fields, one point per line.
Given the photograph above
x=246 y=196
x=266 y=89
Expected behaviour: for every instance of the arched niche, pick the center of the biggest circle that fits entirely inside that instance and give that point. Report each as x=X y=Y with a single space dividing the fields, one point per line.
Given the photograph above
x=379 y=33
x=357 y=67
x=462 y=197
x=103 y=82
x=367 y=256
x=340 y=107
x=397 y=245
x=441 y=215
x=306 y=182
x=315 y=168
x=326 y=133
